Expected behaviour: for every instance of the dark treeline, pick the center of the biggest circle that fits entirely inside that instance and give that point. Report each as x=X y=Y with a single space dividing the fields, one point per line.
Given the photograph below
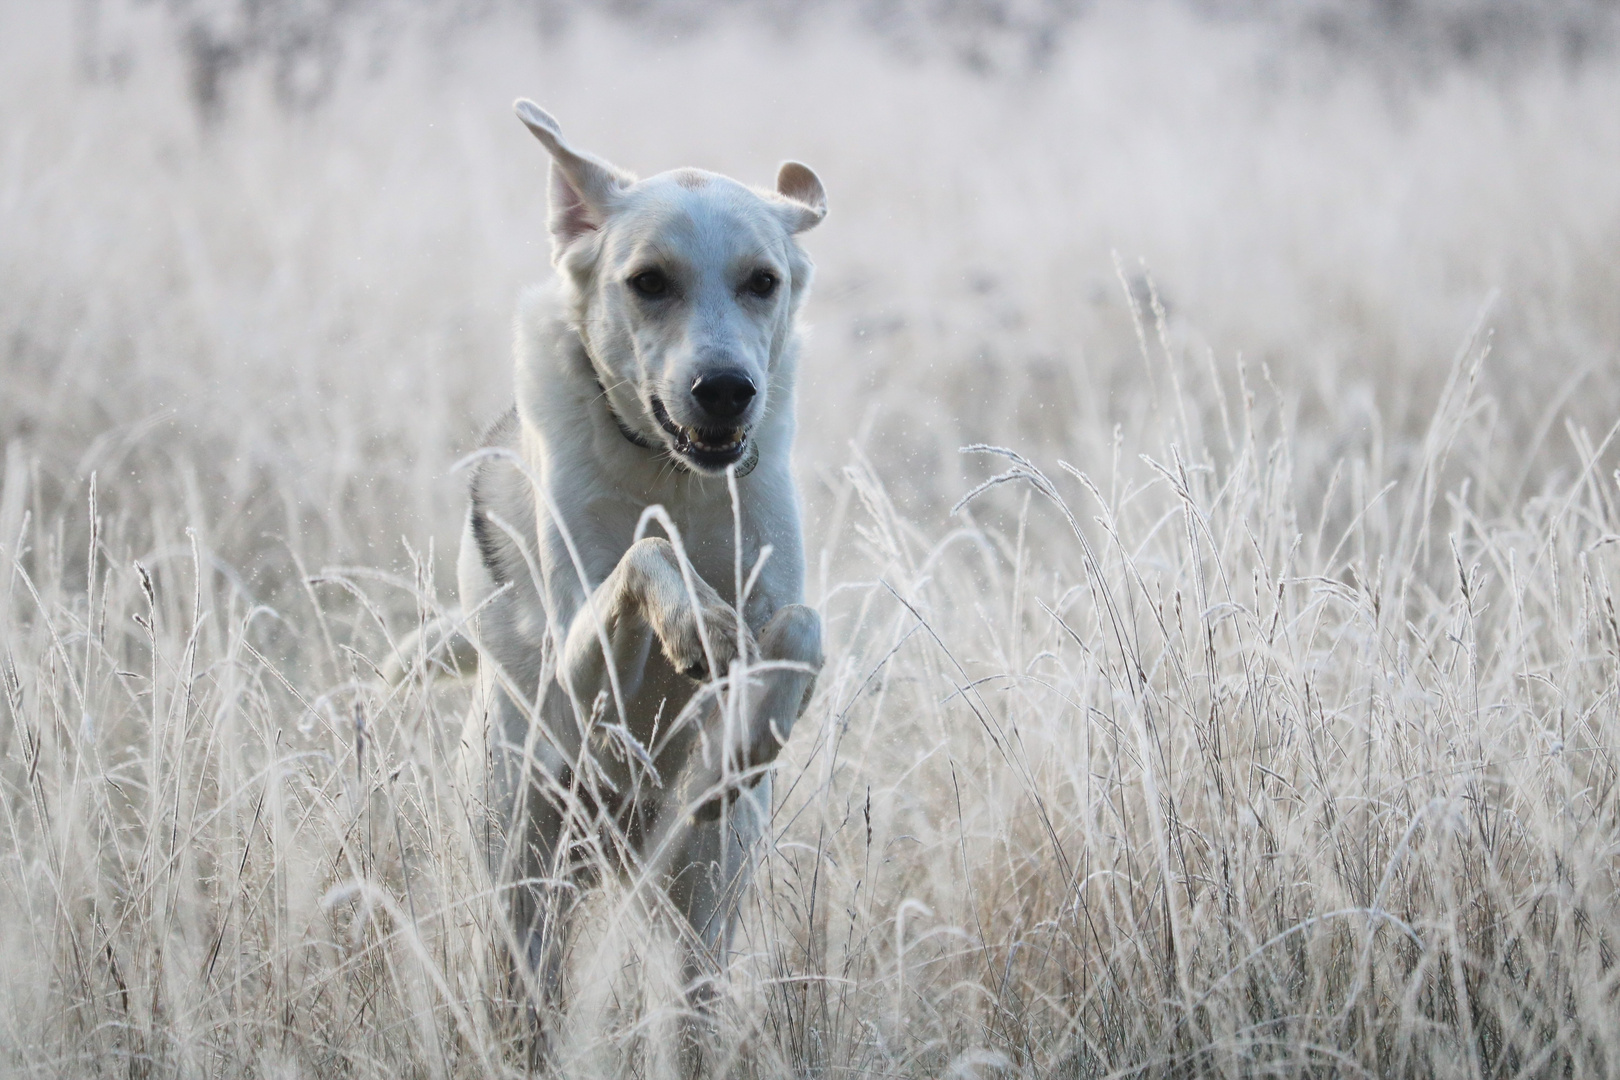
x=303 y=46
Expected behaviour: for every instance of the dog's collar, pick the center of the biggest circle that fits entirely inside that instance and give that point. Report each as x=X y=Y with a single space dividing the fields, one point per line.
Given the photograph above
x=744 y=467
x=629 y=434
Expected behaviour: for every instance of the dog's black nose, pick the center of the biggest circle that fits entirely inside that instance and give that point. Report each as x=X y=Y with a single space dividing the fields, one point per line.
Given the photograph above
x=725 y=395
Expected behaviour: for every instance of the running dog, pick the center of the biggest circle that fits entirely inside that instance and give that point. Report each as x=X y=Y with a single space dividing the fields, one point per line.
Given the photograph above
x=632 y=566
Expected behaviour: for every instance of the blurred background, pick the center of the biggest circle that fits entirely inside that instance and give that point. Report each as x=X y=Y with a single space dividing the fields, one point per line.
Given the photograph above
x=268 y=249
x=1319 y=300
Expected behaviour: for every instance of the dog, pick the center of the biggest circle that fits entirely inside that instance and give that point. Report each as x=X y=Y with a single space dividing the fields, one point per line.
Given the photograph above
x=631 y=570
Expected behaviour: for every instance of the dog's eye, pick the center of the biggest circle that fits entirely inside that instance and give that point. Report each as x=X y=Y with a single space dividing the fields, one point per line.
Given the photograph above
x=650 y=284
x=761 y=283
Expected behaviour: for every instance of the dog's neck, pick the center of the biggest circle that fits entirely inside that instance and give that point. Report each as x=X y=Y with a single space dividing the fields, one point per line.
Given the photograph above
x=625 y=429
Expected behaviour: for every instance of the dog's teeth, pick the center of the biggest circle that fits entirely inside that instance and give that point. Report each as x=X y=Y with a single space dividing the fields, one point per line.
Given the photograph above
x=716 y=442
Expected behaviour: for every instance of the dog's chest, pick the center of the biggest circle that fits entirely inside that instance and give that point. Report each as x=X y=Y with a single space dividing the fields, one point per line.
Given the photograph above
x=706 y=527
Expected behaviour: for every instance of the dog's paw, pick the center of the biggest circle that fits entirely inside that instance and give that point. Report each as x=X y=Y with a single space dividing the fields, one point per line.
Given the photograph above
x=683 y=643
x=668 y=606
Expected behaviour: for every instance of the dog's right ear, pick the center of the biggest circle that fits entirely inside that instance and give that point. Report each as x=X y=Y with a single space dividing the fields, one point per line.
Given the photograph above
x=584 y=188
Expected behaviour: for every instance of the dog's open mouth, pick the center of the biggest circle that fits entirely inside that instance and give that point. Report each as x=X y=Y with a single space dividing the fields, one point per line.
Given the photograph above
x=707 y=448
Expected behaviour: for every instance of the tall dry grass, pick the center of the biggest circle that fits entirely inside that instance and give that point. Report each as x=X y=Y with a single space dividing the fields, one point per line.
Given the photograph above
x=1254 y=714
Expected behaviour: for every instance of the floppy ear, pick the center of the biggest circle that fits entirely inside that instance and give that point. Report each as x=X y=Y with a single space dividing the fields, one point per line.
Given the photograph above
x=583 y=186
x=807 y=202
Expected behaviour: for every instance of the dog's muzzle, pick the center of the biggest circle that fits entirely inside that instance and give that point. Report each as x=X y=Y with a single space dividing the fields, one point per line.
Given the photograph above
x=708 y=448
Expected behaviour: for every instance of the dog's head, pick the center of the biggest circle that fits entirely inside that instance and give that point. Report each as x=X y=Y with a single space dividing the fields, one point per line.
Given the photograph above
x=685 y=287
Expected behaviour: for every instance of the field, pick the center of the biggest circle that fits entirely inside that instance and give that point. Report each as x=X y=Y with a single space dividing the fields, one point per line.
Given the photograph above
x=1208 y=434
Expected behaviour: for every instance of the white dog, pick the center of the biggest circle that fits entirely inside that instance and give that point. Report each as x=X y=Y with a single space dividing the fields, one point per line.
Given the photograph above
x=634 y=502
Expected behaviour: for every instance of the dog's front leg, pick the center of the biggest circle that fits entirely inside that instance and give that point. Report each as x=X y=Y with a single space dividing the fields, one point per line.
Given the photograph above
x=792 y=642
x=738 y=740
x=646 y=594
x=715 y=843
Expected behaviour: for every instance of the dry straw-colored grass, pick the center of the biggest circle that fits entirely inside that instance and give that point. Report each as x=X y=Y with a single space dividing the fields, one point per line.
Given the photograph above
x=1249 y=717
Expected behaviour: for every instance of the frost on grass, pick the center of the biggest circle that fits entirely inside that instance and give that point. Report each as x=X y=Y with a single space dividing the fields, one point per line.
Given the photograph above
x=1243 y=703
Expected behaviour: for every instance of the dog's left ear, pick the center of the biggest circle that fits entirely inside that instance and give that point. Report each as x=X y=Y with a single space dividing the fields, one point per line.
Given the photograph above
x=583 y=186
x=806 y=201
